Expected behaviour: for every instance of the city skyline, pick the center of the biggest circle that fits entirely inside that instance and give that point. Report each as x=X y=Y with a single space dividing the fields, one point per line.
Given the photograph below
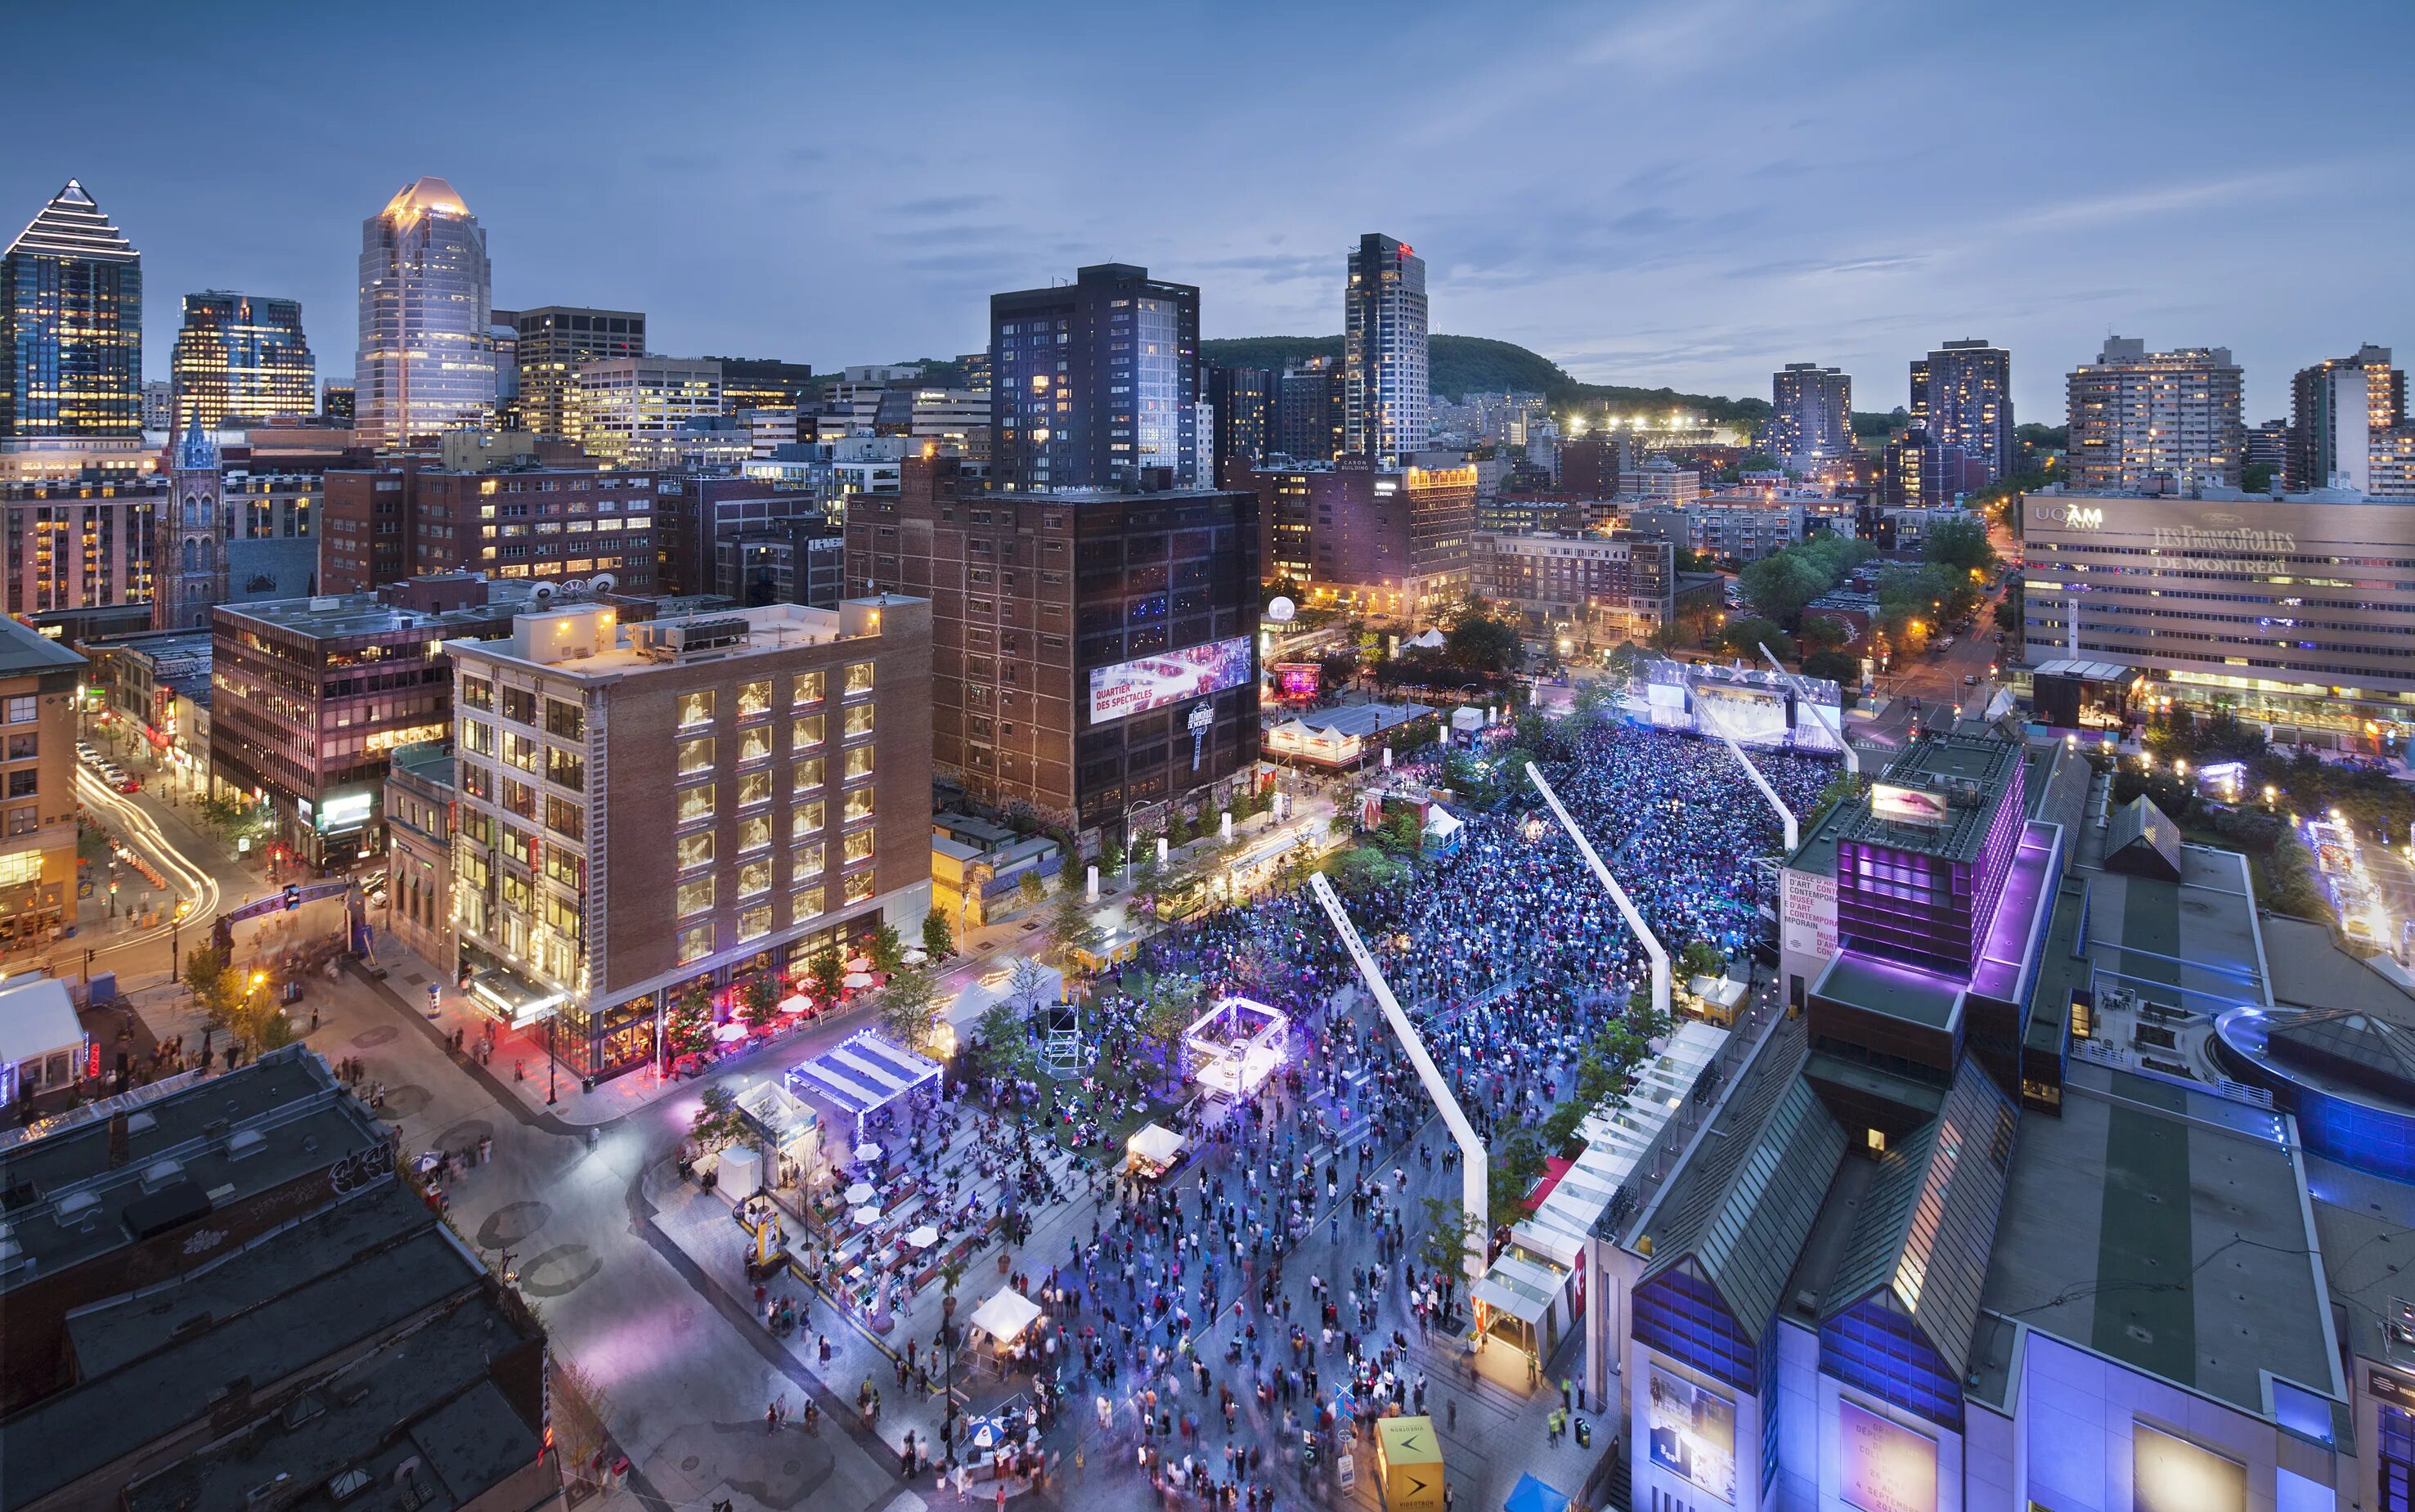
x=1703 y=260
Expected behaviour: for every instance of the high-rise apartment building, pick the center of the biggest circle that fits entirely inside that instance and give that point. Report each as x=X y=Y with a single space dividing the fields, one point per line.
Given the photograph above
x=159 y=404
x=1384 y=350
x=240 y=359
x=2268 y=446
x=778 y=758
x=1595 y=465
x=1095 y=383
x=426 y=362
x=766 y=384
x=1812 y=415
x=555 y=341
x=630 y=410
x=2149 y=420
x=510 y=517
x=1242 y=401
x=1093 y=655
x=71 y=329
x=1309 y=408
x=2334 y=407
x=1962 y=395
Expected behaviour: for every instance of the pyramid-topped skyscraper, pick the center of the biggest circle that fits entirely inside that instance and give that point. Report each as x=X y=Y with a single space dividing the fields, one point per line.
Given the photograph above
x=71 y=328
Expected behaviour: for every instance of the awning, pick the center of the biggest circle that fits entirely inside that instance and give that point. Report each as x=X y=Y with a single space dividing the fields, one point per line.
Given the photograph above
x=1521 y=1288
x=37 y=1018
x=1005 y=1314
x=862 y=1073
x=1155 y=1144
x=1532 y=1495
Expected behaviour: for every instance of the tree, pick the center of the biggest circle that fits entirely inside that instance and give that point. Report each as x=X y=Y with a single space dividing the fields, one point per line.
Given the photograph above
x=1168 y=1005
x=2013 y=607
x=938 y=943
x=888 y=950
x=687 y=1028
x=1746 y=636
x=1479 y=643
x=1031 y=889
x=905 y=1005
x=1517 y=1160
x=717 y=1124
x=1450 y=1233
x=1781 y=584
x=828 y=973
x=758 y=1001
x=1071 y=931
x=1843 y=669
x=216 y=985
x=1111 y=855
x=1960 y=545
x=1358 y=869
x=2256 y=477
x=1025 y=983
x=1003 y=1047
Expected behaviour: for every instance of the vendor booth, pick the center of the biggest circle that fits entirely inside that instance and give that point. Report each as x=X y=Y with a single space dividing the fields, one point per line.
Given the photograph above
x=1235 y=1045
x=1003 y=1319
x=958 y=1016
x=42 y=1040
x=863 y=1073
x=789 y=1131
x=1153 y=1150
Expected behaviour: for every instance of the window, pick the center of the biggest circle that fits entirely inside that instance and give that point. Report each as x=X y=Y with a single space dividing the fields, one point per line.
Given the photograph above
x=695 y=804
x=20 y=711
x=695 y=755
x=859 y=678
x=806 y=689
x=755 y=877
x=22 y=748
x=564 y=721
x=859 y=846
x=694 y=709
x=808 y=819
x=696 y=896
x=477 y=693
x=26 y=783
x=754 y=787
x=755 y=744
x=694 y=943
x=755 y=833
x=859 y=804
x=753 y=699
x=805 y=862
x=565 y=817
x=803 y=903
x=755 y=923
x=517 y=845
x=565 y=769
x=859 y=721
x=519 y=798
x=519 y=751
x=696 y=849
x=477 y=735
x=519 y=706
x=859 y=762
x=858 y=887
x=477 y=782
x=23 y=821
x=807 y=733
x=566 y=868
x=808 y=775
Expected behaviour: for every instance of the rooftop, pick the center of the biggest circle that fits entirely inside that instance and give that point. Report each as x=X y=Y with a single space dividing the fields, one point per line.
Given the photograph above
x=1361 y=719
x=335 y=616
x=1947 y=766
x=25 y=650
x=431 y=764
x=583 y=641
x=1897 y=989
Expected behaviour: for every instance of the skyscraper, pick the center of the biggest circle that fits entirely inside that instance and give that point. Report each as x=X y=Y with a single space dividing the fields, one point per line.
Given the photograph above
x=1962 y=394
x=238 y=358
x=1811 y=419
x=2147 y=420
x=1095 y=382
x=2334 y=407
x=555 y=340
x=1243 y=405
x=1384 y=350
x=71 y=322
x=427 y=361
x=1308 y=411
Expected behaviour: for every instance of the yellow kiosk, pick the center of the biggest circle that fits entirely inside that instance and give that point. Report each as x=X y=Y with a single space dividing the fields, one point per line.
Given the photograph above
x=1408 y=1464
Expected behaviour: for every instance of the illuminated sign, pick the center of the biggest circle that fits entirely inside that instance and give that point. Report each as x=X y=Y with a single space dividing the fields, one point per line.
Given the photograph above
x=1298 y=679
x=1808 y=915
x=1693 y=1433
x=2171 y=1475
x=1886 y=1466
x=349 y=812
x=1146 y=682
x=1907 y=806
x=2069 y=515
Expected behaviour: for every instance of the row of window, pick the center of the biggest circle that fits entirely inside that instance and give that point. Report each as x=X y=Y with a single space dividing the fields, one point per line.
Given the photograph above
x=753 y=700
x=755 y=921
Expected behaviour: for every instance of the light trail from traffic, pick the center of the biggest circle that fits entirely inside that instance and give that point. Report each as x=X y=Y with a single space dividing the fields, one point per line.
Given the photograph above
x=139 y=830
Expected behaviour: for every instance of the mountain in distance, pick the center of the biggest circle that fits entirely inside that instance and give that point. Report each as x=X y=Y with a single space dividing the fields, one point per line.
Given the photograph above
x=1458 y=364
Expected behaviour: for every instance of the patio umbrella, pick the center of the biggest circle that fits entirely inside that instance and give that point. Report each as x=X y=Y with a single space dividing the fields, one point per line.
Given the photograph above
x=798 y=1004
x=862 y=963
x=924 y=1237
x=867 y=1151
x=867 y=1215
x=856 y=978
x=860 y=1193
x=916 y=955
x=729 y=1032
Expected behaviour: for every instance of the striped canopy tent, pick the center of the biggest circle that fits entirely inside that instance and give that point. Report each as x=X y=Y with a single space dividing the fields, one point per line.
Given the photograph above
x=862 y=1073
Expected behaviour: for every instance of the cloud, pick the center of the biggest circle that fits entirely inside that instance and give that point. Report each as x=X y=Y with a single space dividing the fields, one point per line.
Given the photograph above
x=946 y=204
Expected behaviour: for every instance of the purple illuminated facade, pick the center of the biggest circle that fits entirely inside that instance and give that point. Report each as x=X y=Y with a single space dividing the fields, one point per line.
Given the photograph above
x=1932 y=893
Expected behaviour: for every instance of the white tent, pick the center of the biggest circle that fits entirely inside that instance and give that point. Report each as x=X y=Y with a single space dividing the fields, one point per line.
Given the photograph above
x=1155 y=1144
x=1005 y=1315
x=742 y=1173
x=1442 y=824
x=37 y=1024
x=1430 y=640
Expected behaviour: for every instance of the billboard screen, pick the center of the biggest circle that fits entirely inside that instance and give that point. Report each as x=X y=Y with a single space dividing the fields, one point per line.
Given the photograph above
x=1907 y=806
x=2171 y=1475
x=1693 y=1433
x=1741 y=714
x=1886 y=1466
x=1146 y=682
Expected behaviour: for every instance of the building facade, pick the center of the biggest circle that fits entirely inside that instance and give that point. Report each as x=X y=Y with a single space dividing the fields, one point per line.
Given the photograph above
x=554 y=341
x=416 y=515
x=310 y=698
x=1243 y=401
x=2336 y=407
x=2143 y=420
x=1094 y=382
x=1812 y=415
x=1962 y=395
x=419 y=851
x=1309 y=408
x=767 y=383
x=71 y=336
x=1394 y=543
x=1731 y=531
x=77 y=545
x=1383 y=349
x=239 y=359
x=779 y=758
x=1593 y=590
x=1093 y=656
x=426 y=361
x=38 y=775
x=2226 y=600
x=630 y=410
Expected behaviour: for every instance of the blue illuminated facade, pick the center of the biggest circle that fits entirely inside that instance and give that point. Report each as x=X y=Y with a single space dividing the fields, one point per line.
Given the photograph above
x=2342 y=1074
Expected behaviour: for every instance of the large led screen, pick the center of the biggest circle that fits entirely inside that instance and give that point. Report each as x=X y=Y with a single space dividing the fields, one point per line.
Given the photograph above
x=2169 y=1474
x=1693 y=1433
x=1146 y=682
x=1742 y=715
x=1886 y=1466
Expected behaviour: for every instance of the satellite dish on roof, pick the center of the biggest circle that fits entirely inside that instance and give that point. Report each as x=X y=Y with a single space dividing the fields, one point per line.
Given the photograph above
x=1280 y=610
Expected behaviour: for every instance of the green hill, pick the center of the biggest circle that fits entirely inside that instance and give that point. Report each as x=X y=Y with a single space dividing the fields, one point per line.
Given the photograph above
x=1457 y=364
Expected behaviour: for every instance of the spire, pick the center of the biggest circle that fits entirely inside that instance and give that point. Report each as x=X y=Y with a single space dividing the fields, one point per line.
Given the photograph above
x=71 y=225
x=197 y=452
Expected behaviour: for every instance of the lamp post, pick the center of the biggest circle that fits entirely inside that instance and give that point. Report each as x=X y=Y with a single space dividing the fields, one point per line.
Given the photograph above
x=549 y=1022
x=947 y=1348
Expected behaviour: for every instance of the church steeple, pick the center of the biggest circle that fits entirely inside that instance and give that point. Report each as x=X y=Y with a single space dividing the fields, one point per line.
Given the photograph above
x=199 y=451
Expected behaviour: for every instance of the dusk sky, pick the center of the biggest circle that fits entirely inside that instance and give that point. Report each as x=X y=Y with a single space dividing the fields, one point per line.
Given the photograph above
x=1685 y=193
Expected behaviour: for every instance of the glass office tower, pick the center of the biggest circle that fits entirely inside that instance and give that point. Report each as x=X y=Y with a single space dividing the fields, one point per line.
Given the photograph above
x=238 y=358
x=427 y=361
x=72 y=322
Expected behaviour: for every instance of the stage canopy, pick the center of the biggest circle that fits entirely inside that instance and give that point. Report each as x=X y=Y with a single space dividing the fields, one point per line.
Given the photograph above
x=862 y=1073
x=1156 y=1144
x=1235 y=1045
